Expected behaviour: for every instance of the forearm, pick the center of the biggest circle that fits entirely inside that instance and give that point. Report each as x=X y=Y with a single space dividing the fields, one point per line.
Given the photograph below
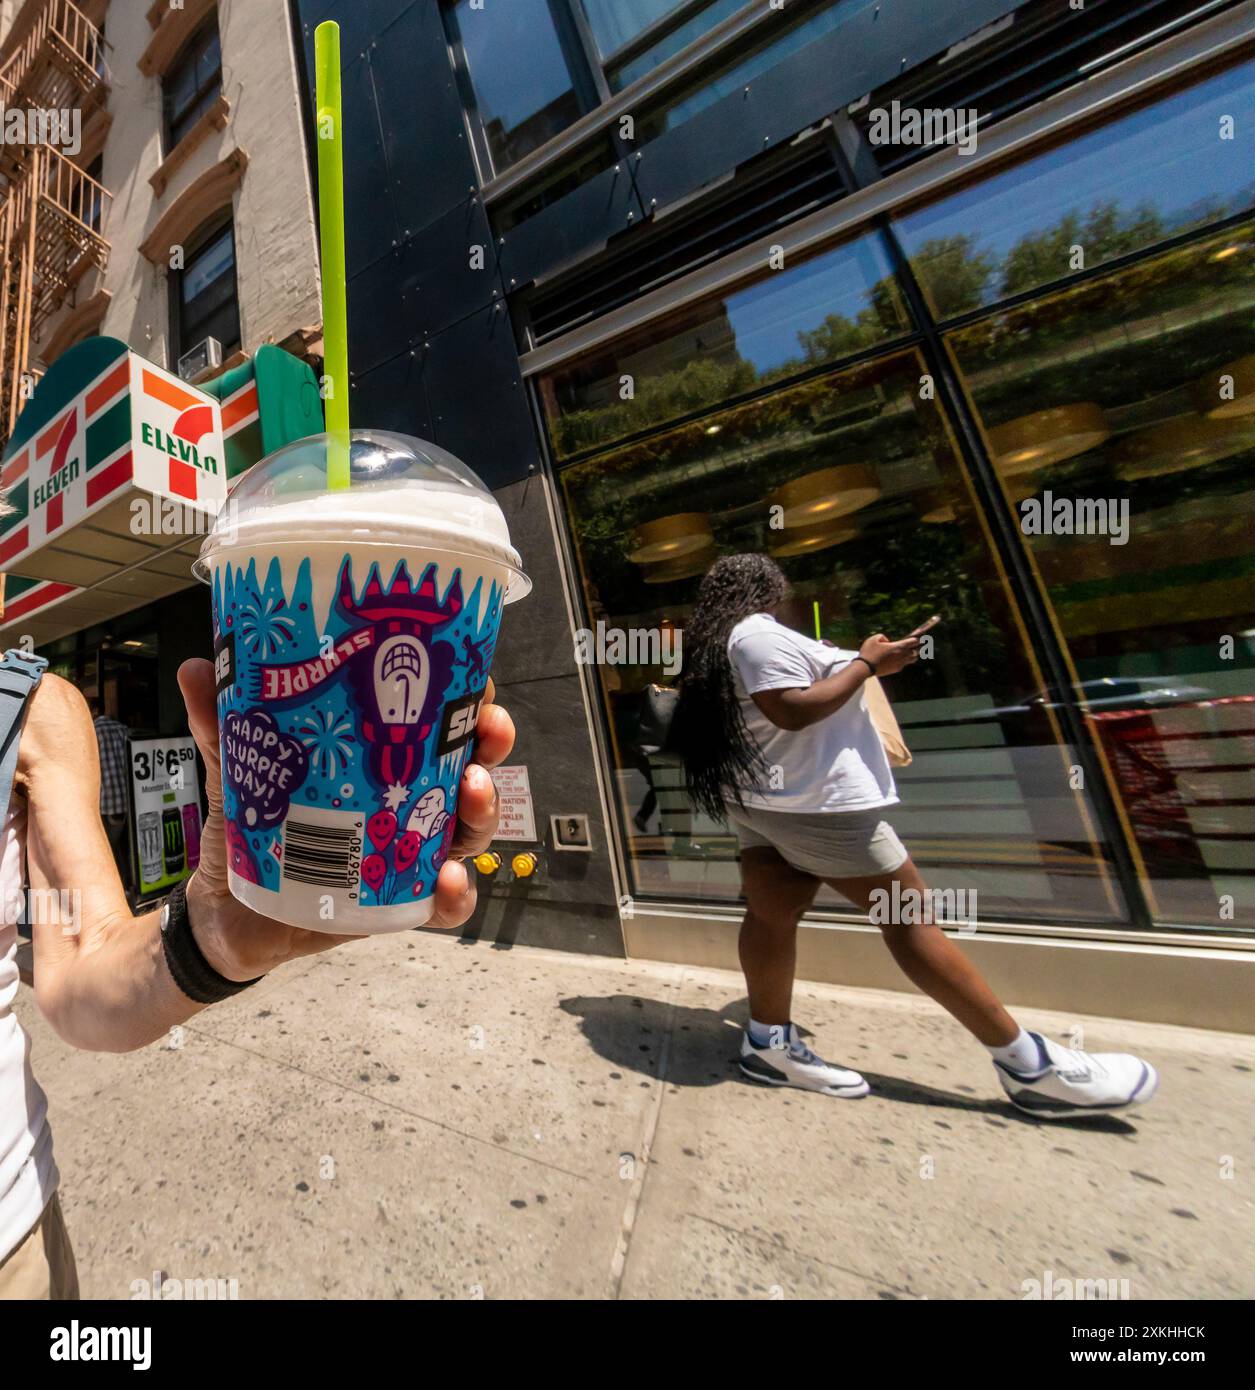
x=111 y=991
x=812 y=703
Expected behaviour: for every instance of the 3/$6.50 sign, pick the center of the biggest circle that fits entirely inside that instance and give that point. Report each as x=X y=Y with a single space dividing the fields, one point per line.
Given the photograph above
x=165 y=801
x=152 y=758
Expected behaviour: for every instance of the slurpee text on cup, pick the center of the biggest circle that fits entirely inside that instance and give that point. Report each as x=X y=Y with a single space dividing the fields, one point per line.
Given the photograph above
x=354 y=631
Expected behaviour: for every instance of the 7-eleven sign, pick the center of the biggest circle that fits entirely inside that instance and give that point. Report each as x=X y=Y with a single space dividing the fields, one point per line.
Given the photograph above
x=105 y=427
x=177 y=437
x=55 y=464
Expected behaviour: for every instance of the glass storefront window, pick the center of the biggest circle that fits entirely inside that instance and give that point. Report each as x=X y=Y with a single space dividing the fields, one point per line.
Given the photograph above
x=1118 y=415
x=852 y=480
x=1180 y=164
x=516 y=64
x=831 y=307
x=1125 y=407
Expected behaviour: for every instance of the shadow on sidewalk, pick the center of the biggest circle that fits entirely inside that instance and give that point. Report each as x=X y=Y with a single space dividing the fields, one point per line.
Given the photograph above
x=631 y=1031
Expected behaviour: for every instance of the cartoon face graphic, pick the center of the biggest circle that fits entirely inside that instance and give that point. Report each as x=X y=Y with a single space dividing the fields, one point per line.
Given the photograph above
x=402 y=675
x=400 y=684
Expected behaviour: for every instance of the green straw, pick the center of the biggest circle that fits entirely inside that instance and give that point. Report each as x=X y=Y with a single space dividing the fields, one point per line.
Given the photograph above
x=815 y=606
x=335 y=328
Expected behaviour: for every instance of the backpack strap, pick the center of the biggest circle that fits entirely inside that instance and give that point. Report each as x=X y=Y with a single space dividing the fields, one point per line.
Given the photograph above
x=19 y=675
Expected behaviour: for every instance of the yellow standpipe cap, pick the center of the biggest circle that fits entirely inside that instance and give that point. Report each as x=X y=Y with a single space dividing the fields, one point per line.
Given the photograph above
x=524 y=865
x=488 y=862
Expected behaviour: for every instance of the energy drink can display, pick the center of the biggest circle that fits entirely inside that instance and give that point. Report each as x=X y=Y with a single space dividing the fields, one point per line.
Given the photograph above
x=191 y=834
x=172 y=840
x=148 y=834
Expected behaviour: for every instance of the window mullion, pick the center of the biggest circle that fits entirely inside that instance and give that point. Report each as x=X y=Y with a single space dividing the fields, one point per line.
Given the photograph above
x=580 y=46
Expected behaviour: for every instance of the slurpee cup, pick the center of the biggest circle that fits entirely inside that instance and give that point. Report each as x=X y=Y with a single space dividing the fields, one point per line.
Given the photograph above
x=354 y=631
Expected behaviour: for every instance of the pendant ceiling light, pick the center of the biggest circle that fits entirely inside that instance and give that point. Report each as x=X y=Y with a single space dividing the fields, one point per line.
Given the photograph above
x=1229 y=391
x=940 y=515
x=1188 y=441
x=1048 y=436
x=683 y=567
x=802 y=540
x=828 y=493
x=670 y=537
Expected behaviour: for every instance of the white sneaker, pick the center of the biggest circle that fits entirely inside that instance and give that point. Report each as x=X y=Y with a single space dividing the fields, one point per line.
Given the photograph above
x=1071 y=1083
x=792 y=1063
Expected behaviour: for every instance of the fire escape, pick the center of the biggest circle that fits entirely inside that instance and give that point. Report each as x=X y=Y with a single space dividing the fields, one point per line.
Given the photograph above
x=51 y=212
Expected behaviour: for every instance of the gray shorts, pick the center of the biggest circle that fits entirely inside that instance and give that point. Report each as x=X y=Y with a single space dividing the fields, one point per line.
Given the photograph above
x=828 y=844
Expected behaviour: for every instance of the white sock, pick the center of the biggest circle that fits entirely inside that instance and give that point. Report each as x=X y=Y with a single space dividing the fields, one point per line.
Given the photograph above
x=1021 y=1053
x=768 y=1034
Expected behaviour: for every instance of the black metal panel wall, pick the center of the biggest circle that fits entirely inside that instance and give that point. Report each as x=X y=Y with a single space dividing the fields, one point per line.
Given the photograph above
x=422 y=262
x=429 y=159
x=453 y=264
x=875 y=42
x=392 y=395
x=478 y=405
x=432 y=353
x=572 y=227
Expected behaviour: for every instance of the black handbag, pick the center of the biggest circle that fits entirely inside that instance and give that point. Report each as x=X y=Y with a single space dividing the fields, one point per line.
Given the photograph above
x=658 y=704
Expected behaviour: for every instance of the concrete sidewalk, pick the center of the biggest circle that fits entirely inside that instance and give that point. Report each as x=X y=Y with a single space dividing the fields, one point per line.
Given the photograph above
x=419 y=1116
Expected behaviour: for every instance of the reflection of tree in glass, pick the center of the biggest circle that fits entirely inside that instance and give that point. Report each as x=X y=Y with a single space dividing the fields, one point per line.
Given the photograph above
x=699 y=383
x=955 y=272
x=1152 y=328
x=839 y=336
x=912 y=573
x=1104 y=234
x=895 y=574
x=705 y=381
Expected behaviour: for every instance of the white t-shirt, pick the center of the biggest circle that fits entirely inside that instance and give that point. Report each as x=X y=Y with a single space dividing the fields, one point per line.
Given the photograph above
x=837 y=764
x=28 y=1175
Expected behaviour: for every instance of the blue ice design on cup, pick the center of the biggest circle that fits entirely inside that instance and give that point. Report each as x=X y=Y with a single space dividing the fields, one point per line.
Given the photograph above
x=345 y=733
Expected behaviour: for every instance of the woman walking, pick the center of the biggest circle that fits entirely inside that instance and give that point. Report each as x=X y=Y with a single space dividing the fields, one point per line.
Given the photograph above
x=775 y=735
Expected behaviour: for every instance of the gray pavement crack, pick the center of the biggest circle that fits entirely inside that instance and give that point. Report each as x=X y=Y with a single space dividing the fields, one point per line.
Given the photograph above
x=780 y=1246
x=627 y=1222
x=389 y=1104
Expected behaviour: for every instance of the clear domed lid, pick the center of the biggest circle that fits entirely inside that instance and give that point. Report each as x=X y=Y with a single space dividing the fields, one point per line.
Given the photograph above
x=402 y=492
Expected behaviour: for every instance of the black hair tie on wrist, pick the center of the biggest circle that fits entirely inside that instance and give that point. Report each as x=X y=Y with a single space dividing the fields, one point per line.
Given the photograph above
x=186 y=962
x=866 y=663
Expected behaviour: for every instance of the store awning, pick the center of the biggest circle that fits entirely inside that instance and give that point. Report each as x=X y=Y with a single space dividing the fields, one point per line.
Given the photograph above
x=116 y=470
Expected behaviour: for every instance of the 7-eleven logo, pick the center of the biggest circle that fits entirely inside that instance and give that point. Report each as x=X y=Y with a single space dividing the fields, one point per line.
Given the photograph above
x=56 y=466
x=178 y=437
x=191 y=427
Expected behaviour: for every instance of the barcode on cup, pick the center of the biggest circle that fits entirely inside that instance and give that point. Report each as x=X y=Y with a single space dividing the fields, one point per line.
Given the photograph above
x=323 y=848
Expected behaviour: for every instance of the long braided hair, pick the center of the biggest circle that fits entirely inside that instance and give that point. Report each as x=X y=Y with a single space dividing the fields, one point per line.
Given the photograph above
x=708 y=731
